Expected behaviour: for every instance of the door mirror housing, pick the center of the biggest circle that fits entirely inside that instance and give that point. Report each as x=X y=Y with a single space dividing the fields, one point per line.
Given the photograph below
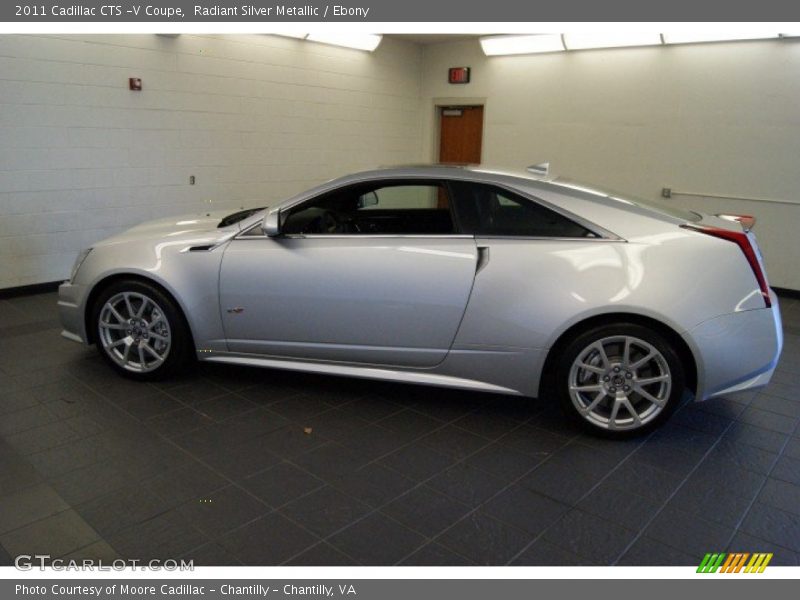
x=368 y=199
x=272 y=223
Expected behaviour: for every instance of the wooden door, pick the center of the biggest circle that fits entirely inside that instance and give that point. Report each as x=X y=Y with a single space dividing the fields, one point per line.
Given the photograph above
x=461 y=134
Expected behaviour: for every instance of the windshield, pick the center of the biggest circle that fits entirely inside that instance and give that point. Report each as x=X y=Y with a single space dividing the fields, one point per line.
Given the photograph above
x=624 y=197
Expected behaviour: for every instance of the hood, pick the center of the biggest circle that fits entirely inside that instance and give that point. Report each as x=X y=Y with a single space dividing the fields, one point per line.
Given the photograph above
x=199 y=227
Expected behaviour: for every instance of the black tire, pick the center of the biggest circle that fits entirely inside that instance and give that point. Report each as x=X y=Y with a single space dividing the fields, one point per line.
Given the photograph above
x=578 y=347
x=180 y=350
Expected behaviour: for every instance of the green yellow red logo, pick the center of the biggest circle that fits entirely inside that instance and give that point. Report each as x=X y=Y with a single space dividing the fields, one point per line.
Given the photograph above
x=735 y=562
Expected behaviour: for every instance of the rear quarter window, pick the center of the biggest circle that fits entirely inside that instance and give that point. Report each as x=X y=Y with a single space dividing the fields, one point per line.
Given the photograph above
x=488 y=210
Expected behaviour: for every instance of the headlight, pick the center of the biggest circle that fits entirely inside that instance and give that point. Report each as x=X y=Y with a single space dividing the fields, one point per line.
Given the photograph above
x=78 y=262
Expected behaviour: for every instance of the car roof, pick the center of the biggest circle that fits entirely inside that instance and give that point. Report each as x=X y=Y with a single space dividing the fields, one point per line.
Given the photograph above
x=459 y=171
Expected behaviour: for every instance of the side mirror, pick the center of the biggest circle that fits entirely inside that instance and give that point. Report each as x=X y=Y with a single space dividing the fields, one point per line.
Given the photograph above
x=369 y=199
x=272 y=223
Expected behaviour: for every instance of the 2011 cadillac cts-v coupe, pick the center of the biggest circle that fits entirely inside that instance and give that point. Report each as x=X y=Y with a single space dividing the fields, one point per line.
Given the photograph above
x=446 y=276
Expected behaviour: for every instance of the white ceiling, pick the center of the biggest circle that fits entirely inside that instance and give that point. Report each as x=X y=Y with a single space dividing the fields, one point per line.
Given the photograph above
x=433 y=38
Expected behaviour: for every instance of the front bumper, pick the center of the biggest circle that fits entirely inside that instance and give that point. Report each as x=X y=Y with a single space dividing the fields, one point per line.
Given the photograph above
x=737 y=352
x=70 y=311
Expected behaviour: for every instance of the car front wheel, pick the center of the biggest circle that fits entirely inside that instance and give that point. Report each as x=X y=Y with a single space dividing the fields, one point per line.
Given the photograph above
x=140 y=331
x=620 y=379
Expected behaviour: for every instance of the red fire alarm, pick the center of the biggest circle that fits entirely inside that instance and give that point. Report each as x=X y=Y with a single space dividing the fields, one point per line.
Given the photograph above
x=458 y=75
x=135 y=84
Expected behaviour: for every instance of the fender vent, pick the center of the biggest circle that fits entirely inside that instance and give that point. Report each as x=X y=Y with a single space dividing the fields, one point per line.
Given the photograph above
x=205 y=248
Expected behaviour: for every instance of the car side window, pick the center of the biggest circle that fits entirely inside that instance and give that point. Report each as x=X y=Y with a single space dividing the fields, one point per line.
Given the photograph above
x=489 y=210
x=375 y=208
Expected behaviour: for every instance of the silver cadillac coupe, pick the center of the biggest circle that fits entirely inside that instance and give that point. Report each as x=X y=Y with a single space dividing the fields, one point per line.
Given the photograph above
x=450 y=276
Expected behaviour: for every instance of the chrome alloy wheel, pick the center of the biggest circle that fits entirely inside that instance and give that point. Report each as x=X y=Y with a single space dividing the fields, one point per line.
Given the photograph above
x=134 y=332
x=619 y=383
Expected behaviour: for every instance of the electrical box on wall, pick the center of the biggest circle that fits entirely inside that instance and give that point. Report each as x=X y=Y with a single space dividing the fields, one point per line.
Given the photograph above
x=135 y=84
x=458 y=75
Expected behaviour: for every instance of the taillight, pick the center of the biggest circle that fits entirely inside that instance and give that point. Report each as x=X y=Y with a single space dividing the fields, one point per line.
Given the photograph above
x=740 y=239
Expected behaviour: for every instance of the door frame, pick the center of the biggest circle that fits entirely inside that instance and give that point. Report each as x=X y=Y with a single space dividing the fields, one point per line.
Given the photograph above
x=446 y=102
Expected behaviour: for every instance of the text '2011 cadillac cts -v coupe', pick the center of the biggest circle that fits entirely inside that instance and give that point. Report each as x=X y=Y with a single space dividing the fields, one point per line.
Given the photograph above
x=446 y=276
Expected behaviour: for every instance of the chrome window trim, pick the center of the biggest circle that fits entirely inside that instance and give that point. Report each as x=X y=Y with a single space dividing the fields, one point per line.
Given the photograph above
x=298 y=236
x=533 y=238
x=459 y=236
x=447 y=236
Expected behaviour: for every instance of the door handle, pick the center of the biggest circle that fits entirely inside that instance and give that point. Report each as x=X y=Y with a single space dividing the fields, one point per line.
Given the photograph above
x=483 y=258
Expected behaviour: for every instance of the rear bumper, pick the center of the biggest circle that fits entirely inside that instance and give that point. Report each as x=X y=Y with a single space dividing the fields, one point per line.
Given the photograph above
x=70 y=311
x=737 y=352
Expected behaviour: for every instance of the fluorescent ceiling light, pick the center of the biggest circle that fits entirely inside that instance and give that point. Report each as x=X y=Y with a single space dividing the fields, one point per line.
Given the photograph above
x=497 y=45
x=359 y=41
x=521 y=44
x=690 y=37
x=615 y=39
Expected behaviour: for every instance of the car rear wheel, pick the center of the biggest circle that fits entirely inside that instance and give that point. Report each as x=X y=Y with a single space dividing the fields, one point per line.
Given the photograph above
x=620 y=379
x=140 y=331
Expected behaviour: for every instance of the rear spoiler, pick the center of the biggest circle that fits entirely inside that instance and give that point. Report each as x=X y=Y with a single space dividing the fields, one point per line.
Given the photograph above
x=746 y=221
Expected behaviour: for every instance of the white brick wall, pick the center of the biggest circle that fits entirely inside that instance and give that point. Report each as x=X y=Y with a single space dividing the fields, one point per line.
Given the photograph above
x=709 y=118
x=254 y=117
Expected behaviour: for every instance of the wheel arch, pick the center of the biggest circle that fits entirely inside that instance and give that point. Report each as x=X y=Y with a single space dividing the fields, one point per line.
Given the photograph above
x=103 y=284
x=685 y=353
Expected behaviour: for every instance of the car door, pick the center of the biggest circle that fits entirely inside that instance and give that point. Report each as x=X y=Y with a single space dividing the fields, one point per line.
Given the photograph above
x=373 y=273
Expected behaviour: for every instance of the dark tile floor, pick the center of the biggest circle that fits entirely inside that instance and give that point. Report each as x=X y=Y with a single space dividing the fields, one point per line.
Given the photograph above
x=238 y=466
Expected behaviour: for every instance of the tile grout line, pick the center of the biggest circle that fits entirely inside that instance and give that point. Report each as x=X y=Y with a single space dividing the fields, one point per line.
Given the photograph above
x=752 y=503
x=541 y=534
x=279 y=511
x=377 y=509
x=419 y=484
x=183 y=450
x=69 y=507
x=680 y=485
x=480 y=505
x=230 y=481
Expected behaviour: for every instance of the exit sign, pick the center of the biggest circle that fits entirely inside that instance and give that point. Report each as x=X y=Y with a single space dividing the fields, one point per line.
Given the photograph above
x=458 y=75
